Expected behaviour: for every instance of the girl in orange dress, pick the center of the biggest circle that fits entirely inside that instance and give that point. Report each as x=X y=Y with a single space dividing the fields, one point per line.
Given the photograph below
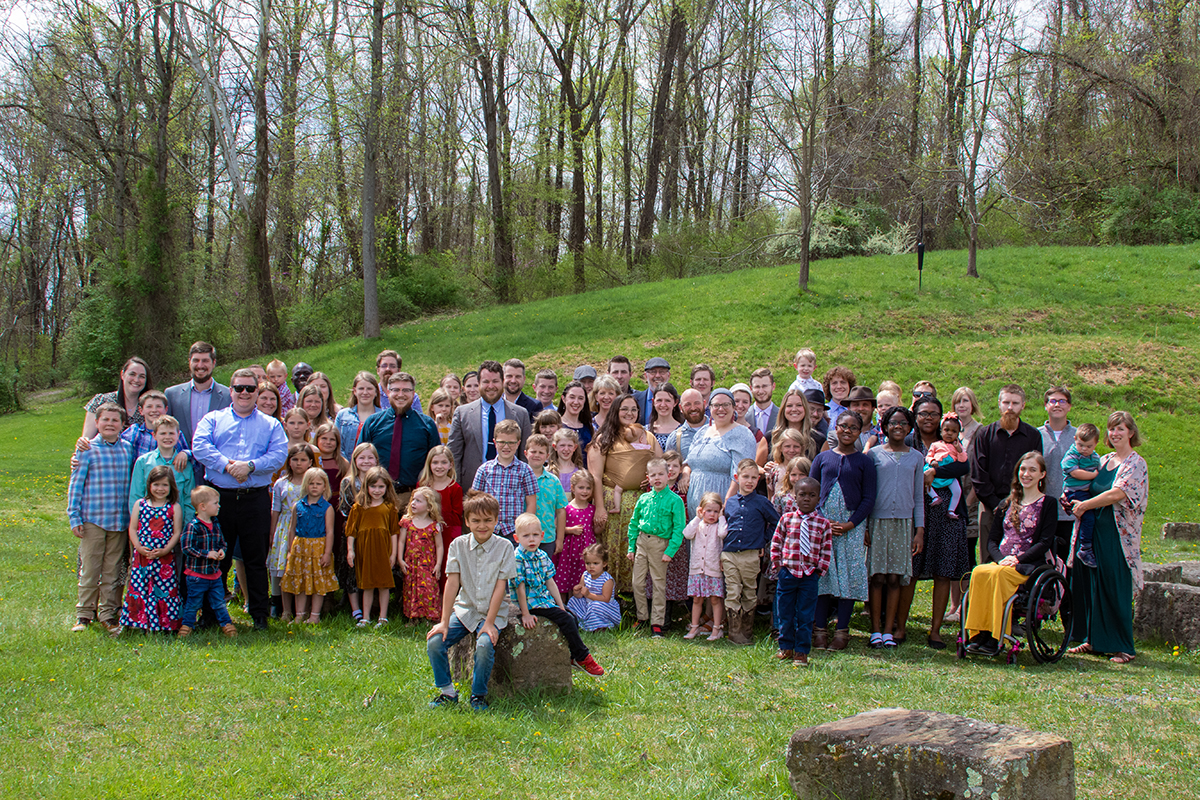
x=419 y=555
x=372 y=541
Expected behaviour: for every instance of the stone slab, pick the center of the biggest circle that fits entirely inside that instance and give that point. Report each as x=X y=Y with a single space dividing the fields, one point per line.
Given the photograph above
x=1162 y=573
x=526 y=660
x=1191 y=573
x=1189 y=531
x=1168 y=611
x=899 y=754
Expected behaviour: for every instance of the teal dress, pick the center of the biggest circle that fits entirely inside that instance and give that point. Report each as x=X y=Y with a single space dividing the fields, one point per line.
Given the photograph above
x=1104 y=595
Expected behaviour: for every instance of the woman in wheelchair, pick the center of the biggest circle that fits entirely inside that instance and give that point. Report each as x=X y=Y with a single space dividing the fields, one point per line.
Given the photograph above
x=1021 y=540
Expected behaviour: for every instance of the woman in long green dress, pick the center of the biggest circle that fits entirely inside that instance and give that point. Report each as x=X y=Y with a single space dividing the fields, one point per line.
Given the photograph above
x=1104 y=594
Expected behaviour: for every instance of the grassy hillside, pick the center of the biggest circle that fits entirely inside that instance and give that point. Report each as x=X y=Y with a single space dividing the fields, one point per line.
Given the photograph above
x=283 y=714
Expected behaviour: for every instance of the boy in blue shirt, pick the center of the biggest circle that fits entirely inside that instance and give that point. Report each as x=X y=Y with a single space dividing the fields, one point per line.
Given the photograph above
x=751 y=519
x=1080 y=466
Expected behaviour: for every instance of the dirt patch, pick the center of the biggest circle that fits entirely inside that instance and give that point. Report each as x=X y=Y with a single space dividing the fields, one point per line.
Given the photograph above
x=1116 y=374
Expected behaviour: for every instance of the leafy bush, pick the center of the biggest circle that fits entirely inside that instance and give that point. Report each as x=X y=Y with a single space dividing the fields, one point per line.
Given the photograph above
x=9 y=399
x=1137 y=215
x=98 y=336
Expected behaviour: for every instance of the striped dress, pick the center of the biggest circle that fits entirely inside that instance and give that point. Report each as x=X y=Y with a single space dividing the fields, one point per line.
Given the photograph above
x=594 y=615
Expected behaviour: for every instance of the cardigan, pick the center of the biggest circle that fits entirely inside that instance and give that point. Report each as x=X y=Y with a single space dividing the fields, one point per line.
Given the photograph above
x=855 y=473
x=1043 y=538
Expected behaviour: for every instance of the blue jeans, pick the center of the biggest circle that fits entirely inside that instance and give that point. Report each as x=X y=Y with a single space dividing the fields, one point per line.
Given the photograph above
x=438 y=648
x=1087 y=523
x=796 y=599
x=197 y=590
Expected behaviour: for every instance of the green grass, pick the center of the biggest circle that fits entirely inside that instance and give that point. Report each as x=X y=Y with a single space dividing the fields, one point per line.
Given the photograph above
x=282 y=714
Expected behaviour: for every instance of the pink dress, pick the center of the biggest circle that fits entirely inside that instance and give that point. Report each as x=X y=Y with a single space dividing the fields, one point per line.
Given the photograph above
x=570 y=561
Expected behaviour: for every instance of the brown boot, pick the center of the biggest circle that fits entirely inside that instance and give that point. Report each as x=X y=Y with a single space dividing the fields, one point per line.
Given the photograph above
x=841 y=639
x=229 y=630
x=737 y=628
x=820 y=639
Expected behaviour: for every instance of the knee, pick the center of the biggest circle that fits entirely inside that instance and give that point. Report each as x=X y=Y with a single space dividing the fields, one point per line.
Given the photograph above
x=893 y=581
x=435 y=646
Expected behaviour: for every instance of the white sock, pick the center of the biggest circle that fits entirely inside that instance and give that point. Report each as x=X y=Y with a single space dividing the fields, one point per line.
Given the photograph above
x=449 y=691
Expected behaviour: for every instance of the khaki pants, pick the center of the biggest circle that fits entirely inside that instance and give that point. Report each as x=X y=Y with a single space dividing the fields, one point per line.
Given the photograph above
x=741 y=580
x=647 y=559
x=99 y=556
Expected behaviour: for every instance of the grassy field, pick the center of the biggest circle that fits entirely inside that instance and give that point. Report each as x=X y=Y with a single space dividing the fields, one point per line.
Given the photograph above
x=283 y=714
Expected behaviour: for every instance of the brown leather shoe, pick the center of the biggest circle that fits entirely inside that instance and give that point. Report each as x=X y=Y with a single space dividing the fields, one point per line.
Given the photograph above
x=785 y=655
x=110 y=626
x=184 y=631
x=800 y=659
x=229 y=630
x=841 y=639
x=820 y=639
x=81 y=625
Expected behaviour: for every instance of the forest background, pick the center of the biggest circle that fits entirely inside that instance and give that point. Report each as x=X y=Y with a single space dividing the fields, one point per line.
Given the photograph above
x=282 y=173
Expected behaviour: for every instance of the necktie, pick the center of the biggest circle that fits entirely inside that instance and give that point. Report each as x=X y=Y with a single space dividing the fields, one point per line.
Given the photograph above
x=491 y=436
x=397 y=439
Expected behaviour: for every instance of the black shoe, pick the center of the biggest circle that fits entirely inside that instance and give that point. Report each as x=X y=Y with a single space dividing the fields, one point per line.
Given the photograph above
x=443 y=700
x=656 y=632
x=260 y=624
x=930 y=642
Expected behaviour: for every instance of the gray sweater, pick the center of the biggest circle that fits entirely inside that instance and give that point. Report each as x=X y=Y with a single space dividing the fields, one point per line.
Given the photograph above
x=899 y=485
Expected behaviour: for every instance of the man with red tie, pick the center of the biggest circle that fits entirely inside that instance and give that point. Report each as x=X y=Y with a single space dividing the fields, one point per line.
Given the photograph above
x=402 y=435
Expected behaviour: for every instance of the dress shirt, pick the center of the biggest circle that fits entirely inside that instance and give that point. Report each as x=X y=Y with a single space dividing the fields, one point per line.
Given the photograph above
x=534 y=568
x=98 y=491
x=483 y=425
x=225 y=436
x=993 y=456
x=511 y=486
x=199 y=405
x=479 y=566
x=751 y=519
x=420 y=436
x=658 y=512
x=803 y=543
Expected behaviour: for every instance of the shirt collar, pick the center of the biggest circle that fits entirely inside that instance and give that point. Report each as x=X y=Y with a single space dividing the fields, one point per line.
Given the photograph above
x=211 y=384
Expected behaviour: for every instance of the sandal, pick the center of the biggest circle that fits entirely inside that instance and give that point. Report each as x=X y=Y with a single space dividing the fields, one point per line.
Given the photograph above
x=692 y=631
x=1122 y=658
x=1080 y=649
x=313 y=619
x=717 y=633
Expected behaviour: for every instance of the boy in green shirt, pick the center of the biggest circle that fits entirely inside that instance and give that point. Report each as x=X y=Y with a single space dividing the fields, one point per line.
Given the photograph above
x=655 y=533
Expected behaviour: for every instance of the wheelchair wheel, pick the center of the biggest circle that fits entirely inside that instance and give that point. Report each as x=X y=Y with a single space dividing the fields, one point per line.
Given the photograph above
x=1048 y=618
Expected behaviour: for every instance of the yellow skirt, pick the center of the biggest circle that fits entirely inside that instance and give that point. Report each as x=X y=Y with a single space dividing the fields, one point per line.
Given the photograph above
x=304 y=573
x=991 y=586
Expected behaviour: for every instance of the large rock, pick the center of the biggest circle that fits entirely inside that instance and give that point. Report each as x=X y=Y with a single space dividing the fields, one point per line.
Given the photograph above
x=1162 y=573
x=1168 y=611
x=1181 y=530
x=1190 y=573
x=525 y=659
x=899 y=754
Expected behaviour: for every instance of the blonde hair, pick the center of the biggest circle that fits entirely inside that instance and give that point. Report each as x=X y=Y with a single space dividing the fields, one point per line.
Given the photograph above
x=440 y=395
x=431 y=499
x=967 y=392
x=426 y=476
x=326 y=429
x=527 y=520
x=566 y=434
x=363 y=498
x=791 y=435
x=352 y=468
x=276 y=364
x=705 y=499
x=204 y=494
x=890 y=386
x=583 y=476
x=805 y=352
x=784 y=485
x=313 y=474
x=603 y=382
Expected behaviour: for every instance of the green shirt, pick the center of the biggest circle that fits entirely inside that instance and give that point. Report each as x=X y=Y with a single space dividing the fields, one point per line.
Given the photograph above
x=550 y=500
x=660 y=513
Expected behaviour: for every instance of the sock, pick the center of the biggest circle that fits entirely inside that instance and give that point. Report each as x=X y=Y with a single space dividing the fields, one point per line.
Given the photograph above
x=449 y=691
x=357 y=614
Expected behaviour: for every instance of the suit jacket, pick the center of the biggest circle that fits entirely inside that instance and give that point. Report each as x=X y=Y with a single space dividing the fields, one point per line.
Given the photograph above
x=644 y=413
x=753 y=412
x=467 y=437
x=179 y=404
x=532 y=407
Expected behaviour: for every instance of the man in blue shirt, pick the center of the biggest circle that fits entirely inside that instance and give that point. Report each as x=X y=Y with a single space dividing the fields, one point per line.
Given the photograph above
x=240 y=447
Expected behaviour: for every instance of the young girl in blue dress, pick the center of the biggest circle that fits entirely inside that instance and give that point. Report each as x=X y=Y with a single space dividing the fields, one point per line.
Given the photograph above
x=593 y=600
x=309 y=572
x=152 y=601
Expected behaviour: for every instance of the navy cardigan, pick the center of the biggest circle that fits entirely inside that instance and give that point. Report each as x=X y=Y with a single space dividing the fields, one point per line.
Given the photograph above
x=855 y=473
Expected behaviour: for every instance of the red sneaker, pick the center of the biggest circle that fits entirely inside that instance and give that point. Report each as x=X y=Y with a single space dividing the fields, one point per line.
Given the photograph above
x=589 y=665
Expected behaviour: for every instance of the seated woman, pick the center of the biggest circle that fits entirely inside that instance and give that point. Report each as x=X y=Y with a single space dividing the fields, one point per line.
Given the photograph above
x=1022 y=538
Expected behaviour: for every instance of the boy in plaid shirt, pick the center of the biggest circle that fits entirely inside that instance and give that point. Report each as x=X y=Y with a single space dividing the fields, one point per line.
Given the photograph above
x=536 y=594
x=508 y=480
x=203 y=549
x=800 y=550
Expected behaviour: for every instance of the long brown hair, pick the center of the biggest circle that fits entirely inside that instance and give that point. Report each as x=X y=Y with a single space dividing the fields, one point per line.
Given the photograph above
x=1017 y=491
x=610 y=431
x=781 y=423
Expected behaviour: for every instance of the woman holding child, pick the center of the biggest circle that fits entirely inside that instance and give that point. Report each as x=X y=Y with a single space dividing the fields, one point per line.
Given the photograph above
x=617 y=460
x=1103 y=594
x=132 y=381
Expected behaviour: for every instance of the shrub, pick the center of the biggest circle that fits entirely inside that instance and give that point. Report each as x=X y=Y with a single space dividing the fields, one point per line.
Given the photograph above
x=9 y=399
x=1137 y=215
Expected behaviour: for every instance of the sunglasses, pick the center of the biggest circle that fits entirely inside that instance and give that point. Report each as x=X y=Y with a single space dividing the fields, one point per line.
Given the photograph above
x=243 y=388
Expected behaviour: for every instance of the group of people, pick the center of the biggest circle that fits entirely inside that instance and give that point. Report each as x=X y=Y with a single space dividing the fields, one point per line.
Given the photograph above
x=715 y=496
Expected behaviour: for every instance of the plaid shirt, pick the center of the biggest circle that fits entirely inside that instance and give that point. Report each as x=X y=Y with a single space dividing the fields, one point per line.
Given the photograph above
x=142 y=439
x=534 y=568
x=198 y=539
x=510 y=485
x=98 y=491
x=287 y=400
x=802 y=543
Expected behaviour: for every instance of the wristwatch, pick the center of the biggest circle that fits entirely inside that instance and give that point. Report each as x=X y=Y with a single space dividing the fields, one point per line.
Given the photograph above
x=251 y=465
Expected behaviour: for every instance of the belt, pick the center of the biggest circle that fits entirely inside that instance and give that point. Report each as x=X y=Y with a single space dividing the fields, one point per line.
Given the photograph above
x=244 y=492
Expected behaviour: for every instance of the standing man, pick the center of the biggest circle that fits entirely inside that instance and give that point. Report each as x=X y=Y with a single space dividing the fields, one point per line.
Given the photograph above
x=994 y=454
x=545 y=387
x=386 y=363
x=188 y=402
x=473 y=430
x=621 y=370
x=815 y=400
x=763 y=414
x=514 y=389
x=240 y=447
x=585 y=374
x=1058 y=434
x=703 y=380
x=657 y=375
x=402 y=435
x=691 y=405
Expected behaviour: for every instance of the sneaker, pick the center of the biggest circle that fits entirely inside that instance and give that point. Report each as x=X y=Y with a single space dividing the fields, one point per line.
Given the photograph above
x=445 y=700
x=1087 y=557
x=81 y=625
x=229 y=629
x=588 y=665
x=478 y=703
x=800 y=659
x=656 y=632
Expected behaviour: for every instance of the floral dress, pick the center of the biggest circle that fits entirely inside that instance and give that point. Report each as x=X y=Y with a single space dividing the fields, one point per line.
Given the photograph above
x=152 y=601
x=420 y=587
x=284 y=496
x=570 y=561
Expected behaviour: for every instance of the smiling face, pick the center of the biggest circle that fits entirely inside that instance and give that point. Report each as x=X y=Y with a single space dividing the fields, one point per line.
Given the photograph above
x=386 y=366
x=1057 y=408
x=152 y=409
x=109 y=425
x=268 y=403
x=621 y=373
x=565 y=449
x=762 y=388
x=741 y=402
x=839 y=388
x=794 y=409
x=582 y=491
x=514 y=381
x=673 y=470
x=439 y=465
x=491 y=386
x=721 y=410
x=657 y=377
x=364 y=461
x=805 y=367
x=327 y=445
x=245 y=395
x=400 y=395
x=692 y=406
x=848 y=428
x=376 y=490
x=201 y=366
x=702 y=382
x=544 y=390
x=1030 y=474
x=364 y=393
x=133 y=378
x=168 y=435
x=789 y=449
x=160 y=489
x=604 y=399
x=471 y=388
x=628 y=412
x=1119 y=437
x=897 y=429
x=573 y=400
x=452 y=385
x=664 y=404
x=312 y=406
x=928 y=418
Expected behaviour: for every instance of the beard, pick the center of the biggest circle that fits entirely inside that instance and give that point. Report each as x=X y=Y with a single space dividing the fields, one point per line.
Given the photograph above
x=1009 y=418
x=694 y=418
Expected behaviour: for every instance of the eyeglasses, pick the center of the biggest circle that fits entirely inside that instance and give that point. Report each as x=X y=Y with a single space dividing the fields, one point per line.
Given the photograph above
x=720 y=406
x=928 y=415
x=240 y=388
x=850 y=427
x=499 y=443
x=1058 y=401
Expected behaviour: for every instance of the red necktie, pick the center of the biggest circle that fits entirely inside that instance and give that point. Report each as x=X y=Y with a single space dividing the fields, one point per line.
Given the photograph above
x=397 y=439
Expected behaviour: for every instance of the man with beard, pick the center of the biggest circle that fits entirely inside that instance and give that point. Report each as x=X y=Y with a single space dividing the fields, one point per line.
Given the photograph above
x=994 y=454
x=386 y=363
x=657 y=375
x=472 y=431
x=188 y=402
x=514 y=388
x=691 y=405
x=402 y=435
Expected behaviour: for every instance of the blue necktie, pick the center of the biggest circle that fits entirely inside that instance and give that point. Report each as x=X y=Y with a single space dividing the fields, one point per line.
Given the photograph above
x=491 y=439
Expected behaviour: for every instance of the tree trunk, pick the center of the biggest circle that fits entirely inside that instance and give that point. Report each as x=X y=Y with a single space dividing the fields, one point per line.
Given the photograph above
x=351 y=234
x=260 y=263
x=370 y=191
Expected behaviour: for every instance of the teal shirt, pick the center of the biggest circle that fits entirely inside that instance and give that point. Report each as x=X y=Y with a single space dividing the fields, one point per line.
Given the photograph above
x=550 y=500
x=184 y=481
x=660 y=513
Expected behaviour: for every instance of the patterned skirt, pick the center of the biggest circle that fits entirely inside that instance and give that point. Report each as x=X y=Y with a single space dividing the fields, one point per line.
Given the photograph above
x=152 y=601
x=304 y=573
x=616 y=536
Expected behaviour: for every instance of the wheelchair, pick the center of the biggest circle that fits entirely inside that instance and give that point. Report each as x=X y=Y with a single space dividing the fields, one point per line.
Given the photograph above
x=1042 y=607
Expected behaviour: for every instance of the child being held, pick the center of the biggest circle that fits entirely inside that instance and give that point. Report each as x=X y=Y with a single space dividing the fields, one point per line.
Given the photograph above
x=203 y=550
x=536 y=594
x=705 y=578
x=593 y=599
x=635 y=435
x=277 y=373
x=801 y=550
x=1080 y=466
x=942 y=453
x=806 y=364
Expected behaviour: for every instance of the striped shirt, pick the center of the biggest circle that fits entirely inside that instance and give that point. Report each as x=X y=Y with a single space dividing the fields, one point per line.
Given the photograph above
x=98 y=491
x=803 y=543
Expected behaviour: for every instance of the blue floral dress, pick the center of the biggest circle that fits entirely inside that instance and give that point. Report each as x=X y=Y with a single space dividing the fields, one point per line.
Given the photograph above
x=152 y=601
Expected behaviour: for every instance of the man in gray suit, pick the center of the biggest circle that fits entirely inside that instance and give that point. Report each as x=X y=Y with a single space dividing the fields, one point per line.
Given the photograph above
x=472 y=431
x=764 y=413
x=189 y=402
x=657 y=375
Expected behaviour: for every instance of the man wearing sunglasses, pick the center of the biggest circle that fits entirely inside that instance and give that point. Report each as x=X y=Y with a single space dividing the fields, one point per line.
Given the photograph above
x=240 y=447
